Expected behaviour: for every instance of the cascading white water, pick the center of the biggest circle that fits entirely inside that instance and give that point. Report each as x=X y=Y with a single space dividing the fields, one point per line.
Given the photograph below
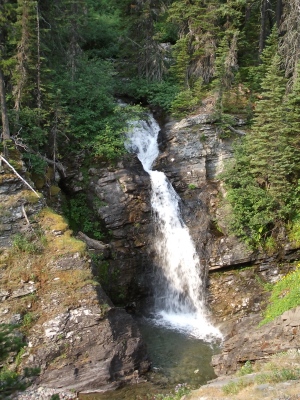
x=179 y=296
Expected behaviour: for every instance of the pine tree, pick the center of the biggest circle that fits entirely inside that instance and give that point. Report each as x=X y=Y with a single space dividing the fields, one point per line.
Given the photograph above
x=291 y=129
x=267 y=140
x=226 y=67
x=198 y=25
x=5 y=25
x=147 y=56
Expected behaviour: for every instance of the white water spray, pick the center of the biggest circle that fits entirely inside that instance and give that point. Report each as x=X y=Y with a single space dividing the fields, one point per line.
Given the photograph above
x=179 y=298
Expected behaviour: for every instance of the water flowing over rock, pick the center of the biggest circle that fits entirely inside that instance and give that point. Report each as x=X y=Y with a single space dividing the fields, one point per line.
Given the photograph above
x=192 y=155
x=179 y=290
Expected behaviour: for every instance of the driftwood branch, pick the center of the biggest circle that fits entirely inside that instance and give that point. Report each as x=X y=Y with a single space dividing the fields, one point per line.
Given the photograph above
x=58 y=165
x=18 y=175
x=25 y=215
x=237 y=131
x=95 y=244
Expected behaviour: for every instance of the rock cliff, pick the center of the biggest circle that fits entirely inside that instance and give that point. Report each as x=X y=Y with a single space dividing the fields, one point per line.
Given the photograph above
x=193 y=153
x=72 y=331
x=76 y=331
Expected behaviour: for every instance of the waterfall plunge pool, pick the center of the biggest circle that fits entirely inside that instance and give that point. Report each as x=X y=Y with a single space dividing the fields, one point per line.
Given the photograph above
x=174 y=336
x=177 y=358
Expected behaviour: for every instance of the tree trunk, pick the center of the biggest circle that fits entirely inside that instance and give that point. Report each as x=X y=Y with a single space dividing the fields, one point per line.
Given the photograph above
x=38 y=64
x=263 y=25
x=5 y=125
x=278 y=13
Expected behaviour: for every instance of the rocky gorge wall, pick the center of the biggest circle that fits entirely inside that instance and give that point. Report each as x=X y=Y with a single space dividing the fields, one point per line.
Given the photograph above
x=72 y=332
x=76 y=334
x=192 y=155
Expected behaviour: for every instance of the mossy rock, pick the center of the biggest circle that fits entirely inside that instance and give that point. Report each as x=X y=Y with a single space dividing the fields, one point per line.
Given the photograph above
x=54 y=190
x=38 y=180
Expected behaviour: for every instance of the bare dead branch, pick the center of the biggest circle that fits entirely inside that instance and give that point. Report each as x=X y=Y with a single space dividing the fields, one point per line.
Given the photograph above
x=237 y=131
x=18 y=175
x=25 y=215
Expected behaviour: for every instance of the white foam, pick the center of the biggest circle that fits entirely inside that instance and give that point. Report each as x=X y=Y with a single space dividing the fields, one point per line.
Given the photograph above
x=180 y=302
x=192 y=324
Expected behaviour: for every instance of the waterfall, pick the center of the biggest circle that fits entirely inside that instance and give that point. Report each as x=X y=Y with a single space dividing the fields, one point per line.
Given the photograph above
x=179 y=301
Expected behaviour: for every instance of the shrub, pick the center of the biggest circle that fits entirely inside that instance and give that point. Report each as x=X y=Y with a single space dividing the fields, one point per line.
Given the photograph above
x=285 y=295
x=247 y=368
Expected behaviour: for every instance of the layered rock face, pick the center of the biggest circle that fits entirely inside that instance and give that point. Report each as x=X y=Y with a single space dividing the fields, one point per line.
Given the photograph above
x=87 y=350
x=72 y=331
x=193 y=155
x=248 y=344
x=125 y=211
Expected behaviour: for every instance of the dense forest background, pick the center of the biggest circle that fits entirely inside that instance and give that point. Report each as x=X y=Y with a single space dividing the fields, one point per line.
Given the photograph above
x=64 y=64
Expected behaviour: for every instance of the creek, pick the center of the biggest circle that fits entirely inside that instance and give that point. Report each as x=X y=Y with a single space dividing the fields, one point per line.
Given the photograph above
x=179 y=336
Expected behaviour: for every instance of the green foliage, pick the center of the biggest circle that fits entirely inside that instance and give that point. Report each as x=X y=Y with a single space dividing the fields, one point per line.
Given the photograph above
x=246 y=369
x=234 y=387
x=28 y=319
x=9 y=341
x=82 y=217
x=109 y=143
x=35 y=163
x=101 y=269
x=294 y=231
x=279 y=375
x=160 y=94
x=10 y=344
x=252 y=207
x=262 y=182
x=223 y=122
x=192 y=186
x=55 y=397
x=101 y=31
x=275 y=376
x=10 y=382
x=285 y=295
x=187 y=100
x=29 y=242
x=253 y=75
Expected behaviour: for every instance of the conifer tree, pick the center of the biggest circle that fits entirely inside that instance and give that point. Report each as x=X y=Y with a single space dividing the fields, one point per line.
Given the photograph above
x=147 y=55
x=198 y=24
x=291 y=131
x=5 y=11
x=226 y=66
x=267 y=141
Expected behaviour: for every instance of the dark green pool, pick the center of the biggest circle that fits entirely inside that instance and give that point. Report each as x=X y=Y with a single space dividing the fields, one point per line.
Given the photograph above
x=176 y=359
